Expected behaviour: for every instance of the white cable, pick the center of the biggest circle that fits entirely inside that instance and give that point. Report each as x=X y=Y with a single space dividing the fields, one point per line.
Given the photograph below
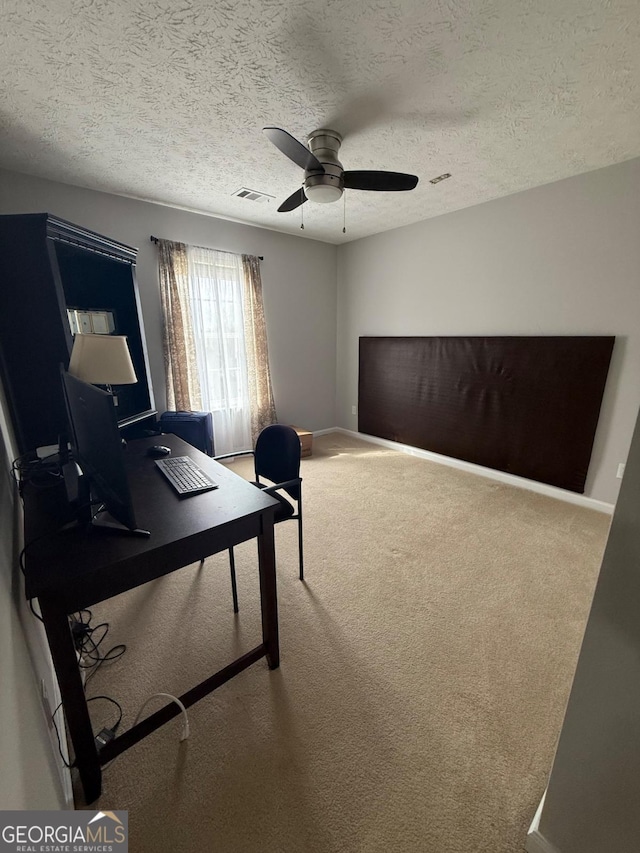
x=185 y=729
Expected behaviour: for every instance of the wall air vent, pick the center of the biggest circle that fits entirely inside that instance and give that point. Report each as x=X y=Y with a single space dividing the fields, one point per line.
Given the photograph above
x=252 y=195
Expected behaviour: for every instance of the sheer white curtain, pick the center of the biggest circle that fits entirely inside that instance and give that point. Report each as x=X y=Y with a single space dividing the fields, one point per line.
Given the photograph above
x=216 y=283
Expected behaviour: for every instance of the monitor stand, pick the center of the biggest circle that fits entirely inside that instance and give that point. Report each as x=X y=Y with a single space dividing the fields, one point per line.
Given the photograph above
x=79 y=494
x=105 y=520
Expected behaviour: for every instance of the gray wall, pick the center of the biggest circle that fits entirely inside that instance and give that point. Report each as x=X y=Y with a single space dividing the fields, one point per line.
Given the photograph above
x=29 y=779
x=592 y=799
x=562 y=259
x=298 y=277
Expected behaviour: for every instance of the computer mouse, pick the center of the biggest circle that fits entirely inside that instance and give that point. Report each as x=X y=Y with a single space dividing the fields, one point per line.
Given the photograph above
x=158 y=450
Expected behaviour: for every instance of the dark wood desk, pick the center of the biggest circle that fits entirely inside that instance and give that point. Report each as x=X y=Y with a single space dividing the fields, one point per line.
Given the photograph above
x=73 y=569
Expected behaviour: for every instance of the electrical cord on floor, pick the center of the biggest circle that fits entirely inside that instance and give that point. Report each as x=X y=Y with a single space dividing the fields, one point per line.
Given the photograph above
x=88 y=648
x=90 y=658
x=104 y=736
x=185 y=729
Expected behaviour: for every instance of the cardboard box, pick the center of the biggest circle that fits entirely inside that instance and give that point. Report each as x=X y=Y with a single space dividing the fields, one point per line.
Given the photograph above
x=306 y=441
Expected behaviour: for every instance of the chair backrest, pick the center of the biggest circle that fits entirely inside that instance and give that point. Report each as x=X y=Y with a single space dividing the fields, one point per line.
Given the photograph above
x=277 y=456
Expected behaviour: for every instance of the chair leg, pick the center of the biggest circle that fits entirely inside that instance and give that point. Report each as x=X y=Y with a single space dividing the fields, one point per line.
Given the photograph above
x=234 y=588
x=300 y=544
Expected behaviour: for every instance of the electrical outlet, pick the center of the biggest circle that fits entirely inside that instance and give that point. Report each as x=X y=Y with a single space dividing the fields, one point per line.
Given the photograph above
x=620 y=471
x=44 y=695
x=354 y=410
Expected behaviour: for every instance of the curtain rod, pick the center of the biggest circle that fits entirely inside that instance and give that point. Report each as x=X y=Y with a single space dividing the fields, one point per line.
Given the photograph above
x=155 y=240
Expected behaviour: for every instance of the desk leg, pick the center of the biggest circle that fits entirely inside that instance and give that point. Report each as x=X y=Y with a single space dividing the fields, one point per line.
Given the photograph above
x=63 y=653
x=268 y=595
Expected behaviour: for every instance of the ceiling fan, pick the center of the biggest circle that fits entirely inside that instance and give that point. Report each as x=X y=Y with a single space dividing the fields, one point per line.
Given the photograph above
x=324 y=178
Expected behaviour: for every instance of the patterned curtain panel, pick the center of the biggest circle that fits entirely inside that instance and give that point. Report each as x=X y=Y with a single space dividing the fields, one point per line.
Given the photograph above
x=263 y=410
x=183 y=385
x=215 y=340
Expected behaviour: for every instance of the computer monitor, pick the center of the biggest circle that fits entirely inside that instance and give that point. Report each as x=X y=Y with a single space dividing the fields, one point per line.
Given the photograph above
x=98 y=450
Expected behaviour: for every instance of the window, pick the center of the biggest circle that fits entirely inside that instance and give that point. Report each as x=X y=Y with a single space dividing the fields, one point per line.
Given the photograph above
x=216 y=297
x=215 y=340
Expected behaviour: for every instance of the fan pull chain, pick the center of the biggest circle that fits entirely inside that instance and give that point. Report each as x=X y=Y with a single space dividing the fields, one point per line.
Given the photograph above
x=344 y=213
x=302 y=217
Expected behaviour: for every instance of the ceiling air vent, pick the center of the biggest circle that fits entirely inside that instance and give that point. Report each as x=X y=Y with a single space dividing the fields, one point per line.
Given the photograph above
x=252 y=195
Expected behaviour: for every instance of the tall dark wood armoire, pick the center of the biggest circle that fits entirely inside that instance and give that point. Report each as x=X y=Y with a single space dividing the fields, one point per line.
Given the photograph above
x=55 y=277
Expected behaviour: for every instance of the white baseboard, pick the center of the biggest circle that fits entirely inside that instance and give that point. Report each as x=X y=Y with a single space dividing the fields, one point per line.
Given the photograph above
x=536 y=842
x=480 y=470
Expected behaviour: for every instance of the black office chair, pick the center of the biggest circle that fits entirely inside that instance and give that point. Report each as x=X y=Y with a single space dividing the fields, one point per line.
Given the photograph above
x=276 y=458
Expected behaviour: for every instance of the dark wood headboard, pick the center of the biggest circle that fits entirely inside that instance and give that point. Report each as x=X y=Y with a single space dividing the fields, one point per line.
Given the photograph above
x=525 y=405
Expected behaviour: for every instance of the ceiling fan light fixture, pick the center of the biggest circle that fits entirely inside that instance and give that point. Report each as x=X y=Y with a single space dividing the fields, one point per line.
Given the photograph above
x=323 y=193
x=325 y=178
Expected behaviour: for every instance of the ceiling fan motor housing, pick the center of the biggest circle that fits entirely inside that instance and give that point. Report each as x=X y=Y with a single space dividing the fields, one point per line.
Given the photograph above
x=325 y=186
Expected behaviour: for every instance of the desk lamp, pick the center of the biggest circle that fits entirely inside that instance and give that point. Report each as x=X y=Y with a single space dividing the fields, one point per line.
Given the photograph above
x=102 y=360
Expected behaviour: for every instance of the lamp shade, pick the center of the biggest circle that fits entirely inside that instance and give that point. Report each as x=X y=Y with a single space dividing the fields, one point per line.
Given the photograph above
x=102 y=360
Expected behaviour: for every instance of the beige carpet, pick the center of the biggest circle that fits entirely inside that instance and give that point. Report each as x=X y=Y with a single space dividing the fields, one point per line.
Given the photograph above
x=425 y=667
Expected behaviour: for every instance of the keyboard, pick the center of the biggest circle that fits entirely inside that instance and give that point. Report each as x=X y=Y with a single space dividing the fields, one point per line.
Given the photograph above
x=185 y=476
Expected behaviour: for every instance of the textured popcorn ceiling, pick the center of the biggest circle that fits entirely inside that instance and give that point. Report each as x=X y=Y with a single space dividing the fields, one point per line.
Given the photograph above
x=166 y=100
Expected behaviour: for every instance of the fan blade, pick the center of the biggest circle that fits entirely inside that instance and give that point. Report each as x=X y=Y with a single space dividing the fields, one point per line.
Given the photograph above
x=380 y=181
x=293 y=201
x=293 y=149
